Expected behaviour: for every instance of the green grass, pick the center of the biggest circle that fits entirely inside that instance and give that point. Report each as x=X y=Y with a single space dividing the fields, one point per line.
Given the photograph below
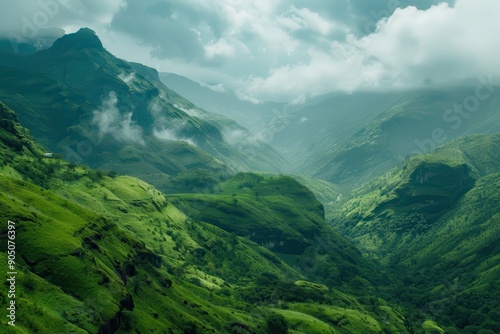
x=282 y=215
x=94 y=249
x=436 y=218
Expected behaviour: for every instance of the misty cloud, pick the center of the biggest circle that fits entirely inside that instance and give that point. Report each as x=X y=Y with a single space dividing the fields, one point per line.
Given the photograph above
x=165 y=27
x=38 y=20
x=110 y=121
x=243 y=137
x=164 y=134
x=167 y=134
x=127 y=78
x=248 y=98
x=219 y=88
x=167 y=128
x=440 y=46
x=286 y=51
x=191 y=112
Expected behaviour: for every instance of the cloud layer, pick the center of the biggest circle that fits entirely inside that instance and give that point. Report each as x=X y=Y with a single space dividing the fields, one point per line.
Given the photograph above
x=287 y=51
x=440 y=46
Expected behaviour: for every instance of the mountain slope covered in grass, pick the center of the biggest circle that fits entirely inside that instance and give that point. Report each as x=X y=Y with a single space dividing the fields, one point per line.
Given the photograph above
x=435 y=217
x=282 y=215
x=101 y=253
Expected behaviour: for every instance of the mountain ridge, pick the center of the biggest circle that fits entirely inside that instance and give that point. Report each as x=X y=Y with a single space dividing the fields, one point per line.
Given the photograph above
x=90 y=85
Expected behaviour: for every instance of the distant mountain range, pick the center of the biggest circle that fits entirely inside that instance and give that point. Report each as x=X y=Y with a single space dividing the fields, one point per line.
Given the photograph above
x=217 y=99
x=350 y=139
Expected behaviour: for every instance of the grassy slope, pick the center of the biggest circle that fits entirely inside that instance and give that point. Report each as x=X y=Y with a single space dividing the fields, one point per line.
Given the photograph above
x=281 y=214
x=436 y=218
x=60 y=117
x=115 y=255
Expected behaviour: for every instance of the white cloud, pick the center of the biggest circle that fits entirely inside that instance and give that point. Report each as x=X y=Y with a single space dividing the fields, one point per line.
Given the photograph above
x=110 y=121
x=288 y=51
x=296 y=19
x=127 y=78
x=440 y=46
x=243 y=137
x=168 y=129
x=234 y=137
x=219 y=88
x=220 y=48
x=164 y=134
x=30 y=16
x=191 y=112
x=169 y=134
x=248 y=98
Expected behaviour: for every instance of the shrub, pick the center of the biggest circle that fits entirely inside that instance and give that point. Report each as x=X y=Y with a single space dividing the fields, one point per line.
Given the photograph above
x=276 y=324
x=112 y=174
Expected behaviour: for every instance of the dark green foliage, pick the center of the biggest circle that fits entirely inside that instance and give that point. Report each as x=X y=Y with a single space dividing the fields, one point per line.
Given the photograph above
x=276 y=324
x=112 y=174
x=451 y=330
x=193 y=181
x=286 y=218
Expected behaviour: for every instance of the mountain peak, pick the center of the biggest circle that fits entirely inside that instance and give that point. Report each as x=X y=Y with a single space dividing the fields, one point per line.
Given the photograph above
x=85 y=38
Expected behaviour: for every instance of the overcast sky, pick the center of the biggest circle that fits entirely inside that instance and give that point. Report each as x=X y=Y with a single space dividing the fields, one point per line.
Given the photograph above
x=284 y=50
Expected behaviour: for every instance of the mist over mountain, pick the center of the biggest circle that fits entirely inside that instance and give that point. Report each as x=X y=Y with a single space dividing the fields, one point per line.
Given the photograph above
x=259 y=168
x=112 y=114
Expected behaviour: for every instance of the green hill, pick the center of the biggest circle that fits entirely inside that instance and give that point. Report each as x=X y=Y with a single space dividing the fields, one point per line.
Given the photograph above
x=99 y=253
x=434 y=221
x=282 y=215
